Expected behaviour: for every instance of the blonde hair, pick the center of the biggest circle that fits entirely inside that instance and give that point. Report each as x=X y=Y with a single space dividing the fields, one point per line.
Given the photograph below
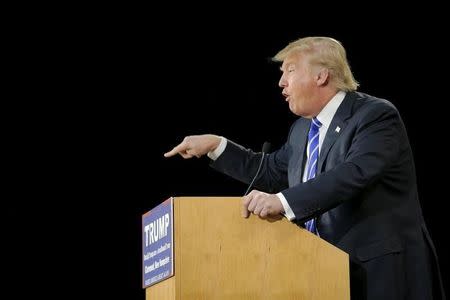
x=324 y=52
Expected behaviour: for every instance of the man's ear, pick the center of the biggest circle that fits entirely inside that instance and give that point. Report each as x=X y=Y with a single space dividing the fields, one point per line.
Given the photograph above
x=322 y=77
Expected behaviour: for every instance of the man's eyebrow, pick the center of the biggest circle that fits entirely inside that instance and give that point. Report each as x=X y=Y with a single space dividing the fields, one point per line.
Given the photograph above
x=286 y=66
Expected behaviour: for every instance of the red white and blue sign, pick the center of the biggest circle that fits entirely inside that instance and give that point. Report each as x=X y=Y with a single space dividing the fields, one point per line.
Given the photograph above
x=157 y=244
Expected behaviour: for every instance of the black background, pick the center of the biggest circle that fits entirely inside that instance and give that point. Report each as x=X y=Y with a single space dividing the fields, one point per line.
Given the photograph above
x=100 y=95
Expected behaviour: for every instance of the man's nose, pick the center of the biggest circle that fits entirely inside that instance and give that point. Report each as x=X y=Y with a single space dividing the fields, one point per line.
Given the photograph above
x=282 y=83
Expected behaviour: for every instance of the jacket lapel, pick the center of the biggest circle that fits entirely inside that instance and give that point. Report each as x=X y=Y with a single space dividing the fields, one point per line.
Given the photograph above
x=303 y=134
x=336 y=127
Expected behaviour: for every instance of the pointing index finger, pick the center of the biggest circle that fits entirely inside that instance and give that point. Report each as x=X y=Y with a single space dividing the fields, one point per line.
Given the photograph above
x=177 y=149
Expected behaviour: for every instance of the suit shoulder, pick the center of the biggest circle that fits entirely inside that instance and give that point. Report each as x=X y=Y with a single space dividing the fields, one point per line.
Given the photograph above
x=365 y=102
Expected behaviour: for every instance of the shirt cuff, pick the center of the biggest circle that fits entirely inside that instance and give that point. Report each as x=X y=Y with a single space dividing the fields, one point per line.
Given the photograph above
x=288 y=213
x=219 y=150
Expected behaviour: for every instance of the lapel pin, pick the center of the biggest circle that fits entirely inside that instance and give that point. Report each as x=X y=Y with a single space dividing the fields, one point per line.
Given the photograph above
x=337 y=129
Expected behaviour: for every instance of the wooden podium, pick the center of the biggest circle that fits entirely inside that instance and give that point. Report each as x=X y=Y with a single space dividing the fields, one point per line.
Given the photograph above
x=220 y=255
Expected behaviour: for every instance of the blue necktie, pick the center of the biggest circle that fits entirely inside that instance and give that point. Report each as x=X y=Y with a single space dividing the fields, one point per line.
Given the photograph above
x=313 y=150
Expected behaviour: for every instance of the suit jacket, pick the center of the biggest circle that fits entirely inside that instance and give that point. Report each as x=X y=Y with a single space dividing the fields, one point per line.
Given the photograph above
x=364 y=196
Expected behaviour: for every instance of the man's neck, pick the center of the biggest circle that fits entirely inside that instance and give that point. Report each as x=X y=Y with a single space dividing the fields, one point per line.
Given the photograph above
x=325 y=95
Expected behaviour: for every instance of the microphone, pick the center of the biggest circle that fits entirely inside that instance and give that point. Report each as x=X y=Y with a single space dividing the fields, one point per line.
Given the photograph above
x=265 y=148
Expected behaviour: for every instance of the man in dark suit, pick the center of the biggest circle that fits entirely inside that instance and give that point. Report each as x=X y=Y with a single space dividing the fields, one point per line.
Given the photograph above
x=346 y=173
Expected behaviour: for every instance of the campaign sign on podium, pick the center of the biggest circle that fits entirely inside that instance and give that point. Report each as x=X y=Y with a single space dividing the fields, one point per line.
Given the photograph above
x=157 y=244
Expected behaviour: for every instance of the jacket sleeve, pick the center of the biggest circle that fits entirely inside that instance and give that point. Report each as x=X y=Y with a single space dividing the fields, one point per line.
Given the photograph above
x=242 y=164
